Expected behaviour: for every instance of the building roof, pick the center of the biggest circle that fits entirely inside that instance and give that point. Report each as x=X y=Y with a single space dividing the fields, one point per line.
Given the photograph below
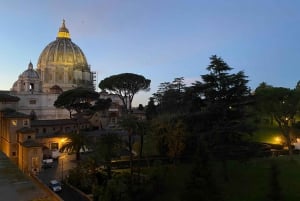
x=5 y=97
x=30 y=73
x=14 y=185
x=31 y=143
x=25 y=130
x=54 y=122
x=14 y=114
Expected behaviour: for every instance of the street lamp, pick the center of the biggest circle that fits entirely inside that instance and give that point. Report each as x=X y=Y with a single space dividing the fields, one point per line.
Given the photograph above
x=62 y=167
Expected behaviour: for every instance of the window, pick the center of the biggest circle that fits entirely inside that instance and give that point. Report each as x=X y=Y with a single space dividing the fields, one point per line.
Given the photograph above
x=32 y=102
x=113 y=120
x=35 y=151
x=13 y=153
x=14 y=122
x=29 y=137
x=54 y=146
x=31 y=87
x=44 y=130
x=34 y=163
x=25 y=123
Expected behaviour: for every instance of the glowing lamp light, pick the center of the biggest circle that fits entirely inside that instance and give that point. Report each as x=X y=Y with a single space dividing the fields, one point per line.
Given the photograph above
x=63 y=140
x=277 y=139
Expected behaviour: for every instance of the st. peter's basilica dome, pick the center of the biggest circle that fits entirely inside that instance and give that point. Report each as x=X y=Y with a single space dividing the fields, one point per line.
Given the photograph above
x=63 y=63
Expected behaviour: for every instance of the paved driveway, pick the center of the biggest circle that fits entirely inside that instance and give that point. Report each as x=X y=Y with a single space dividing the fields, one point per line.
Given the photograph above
x=58 y=171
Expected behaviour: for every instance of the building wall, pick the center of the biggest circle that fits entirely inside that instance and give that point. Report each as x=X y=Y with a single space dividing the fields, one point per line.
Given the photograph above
x=30 y=159
x=8 y=133
x=27 y=158
x=4 y=105
x=42 y=105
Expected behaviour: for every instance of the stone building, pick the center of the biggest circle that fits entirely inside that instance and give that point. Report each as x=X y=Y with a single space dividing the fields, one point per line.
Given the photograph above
x=30 y=125
x=29 y=122
x=61 y=66
x=17 y=138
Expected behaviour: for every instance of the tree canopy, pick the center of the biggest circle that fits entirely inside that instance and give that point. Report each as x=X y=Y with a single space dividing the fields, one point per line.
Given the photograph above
x=125 y=85
x=226 y=98
x=282 y=105
x=78 y=100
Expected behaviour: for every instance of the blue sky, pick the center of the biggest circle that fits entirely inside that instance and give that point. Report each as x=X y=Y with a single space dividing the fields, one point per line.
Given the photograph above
x=159 y=39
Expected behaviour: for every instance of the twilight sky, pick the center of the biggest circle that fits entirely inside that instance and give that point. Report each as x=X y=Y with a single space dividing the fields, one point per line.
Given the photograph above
x=159 y=39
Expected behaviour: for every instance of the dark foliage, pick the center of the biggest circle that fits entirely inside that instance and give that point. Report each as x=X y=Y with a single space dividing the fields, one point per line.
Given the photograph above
x=125 y=85
x=275 y=189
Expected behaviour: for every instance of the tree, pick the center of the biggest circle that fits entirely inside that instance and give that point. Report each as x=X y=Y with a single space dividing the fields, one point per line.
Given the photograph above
x=141 y=130
x=151 y=110
x=282 y=104
x=101 y=104
x=169 y=96
x=201 y=184
x=129 y=123
x=107 y=148
x=193 y=98
x=76 y=141
x=227 y=99
x=141 y=107
x=171 y=133
x=125 y=86
x=78 y=100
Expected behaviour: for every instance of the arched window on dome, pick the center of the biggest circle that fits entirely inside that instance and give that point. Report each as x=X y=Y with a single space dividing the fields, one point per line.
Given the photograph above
x=31 y=87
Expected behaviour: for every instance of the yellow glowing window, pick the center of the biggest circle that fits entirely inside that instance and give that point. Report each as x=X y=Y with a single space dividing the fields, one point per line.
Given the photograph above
x=14 y=122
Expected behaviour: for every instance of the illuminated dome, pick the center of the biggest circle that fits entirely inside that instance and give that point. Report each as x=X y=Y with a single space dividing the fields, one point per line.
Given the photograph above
x=63 y=63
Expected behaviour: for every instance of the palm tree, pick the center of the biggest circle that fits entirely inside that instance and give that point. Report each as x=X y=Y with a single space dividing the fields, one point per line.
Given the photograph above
x=76 y=141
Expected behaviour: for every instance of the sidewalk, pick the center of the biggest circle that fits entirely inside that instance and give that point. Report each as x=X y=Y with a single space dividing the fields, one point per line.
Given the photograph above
x=15 y=186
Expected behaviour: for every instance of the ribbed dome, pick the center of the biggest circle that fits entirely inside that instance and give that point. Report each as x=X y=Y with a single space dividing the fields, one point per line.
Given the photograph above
x=63 y=52
x=63 y=63
x=30 y=73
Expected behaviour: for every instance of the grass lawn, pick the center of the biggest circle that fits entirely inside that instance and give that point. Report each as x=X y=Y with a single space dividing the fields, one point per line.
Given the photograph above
x=268 y=134
x=249 y=181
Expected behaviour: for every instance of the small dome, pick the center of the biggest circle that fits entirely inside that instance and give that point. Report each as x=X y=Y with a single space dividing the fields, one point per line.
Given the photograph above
x=30 y=73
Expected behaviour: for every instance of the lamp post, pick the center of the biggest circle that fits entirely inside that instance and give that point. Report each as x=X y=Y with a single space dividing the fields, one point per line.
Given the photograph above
x=62 y=167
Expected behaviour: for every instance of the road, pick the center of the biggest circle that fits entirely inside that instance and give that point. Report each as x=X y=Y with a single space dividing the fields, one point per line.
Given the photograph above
x=59 y=171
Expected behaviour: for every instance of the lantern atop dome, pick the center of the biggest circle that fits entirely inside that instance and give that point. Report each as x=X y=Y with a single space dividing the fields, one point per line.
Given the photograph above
x=63 y=31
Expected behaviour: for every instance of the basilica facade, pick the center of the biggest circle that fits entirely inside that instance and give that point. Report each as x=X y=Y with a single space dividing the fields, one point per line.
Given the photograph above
x=61 y=66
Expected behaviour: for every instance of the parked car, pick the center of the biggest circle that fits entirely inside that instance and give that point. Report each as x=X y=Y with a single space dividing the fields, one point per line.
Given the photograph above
x=55 y=185
x=55 y=154
x=47 y=163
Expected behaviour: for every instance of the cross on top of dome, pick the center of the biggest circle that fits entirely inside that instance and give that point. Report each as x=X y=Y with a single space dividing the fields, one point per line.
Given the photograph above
x=63 y=31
